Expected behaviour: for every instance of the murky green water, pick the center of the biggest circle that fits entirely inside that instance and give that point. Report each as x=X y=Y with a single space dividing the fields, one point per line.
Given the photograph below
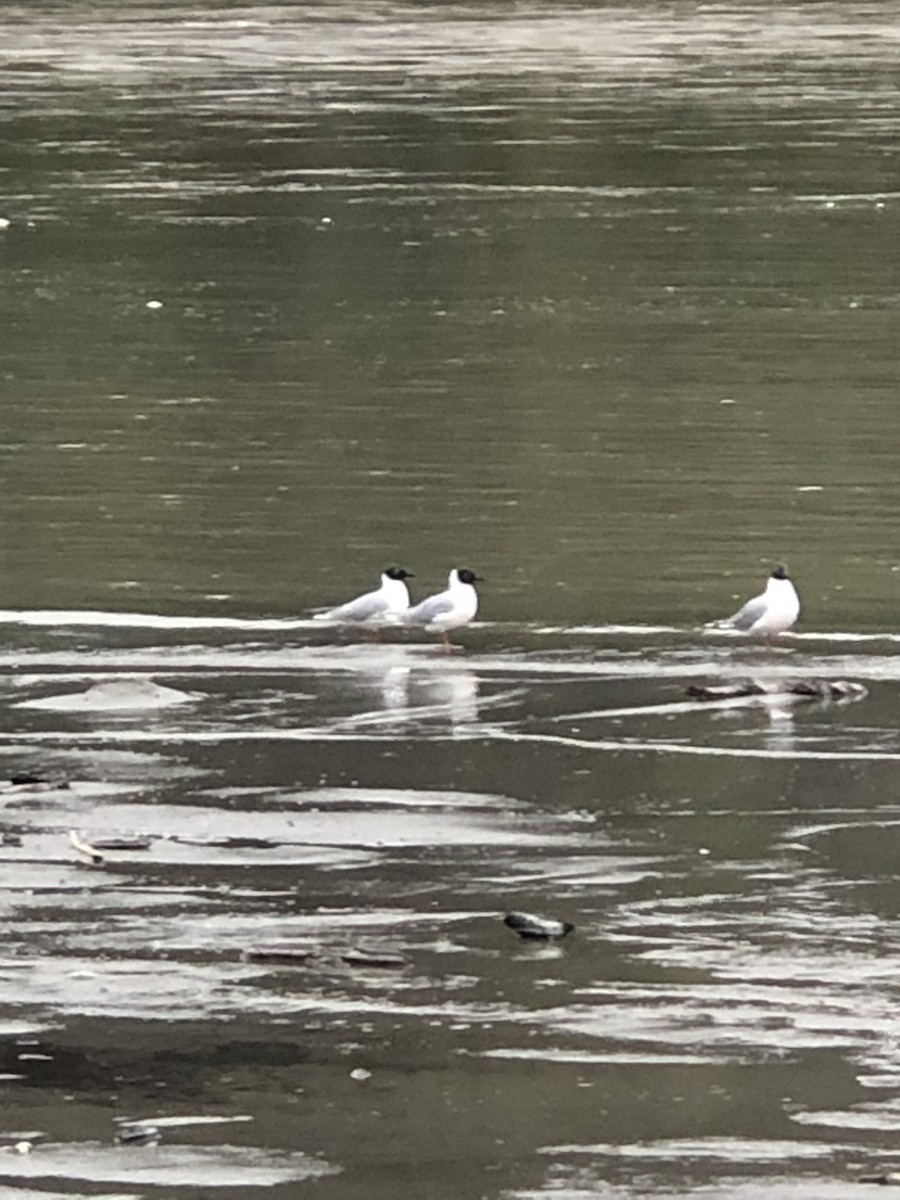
x=598 y=300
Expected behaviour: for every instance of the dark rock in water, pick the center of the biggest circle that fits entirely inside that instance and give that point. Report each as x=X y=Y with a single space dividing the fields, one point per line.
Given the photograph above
x=725 y=691
x=284 y=954
x=384 y=960
x=527 y=925
x=137 y=1135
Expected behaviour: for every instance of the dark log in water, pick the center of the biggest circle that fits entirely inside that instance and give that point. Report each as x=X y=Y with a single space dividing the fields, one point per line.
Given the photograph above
x=383 y=960
x=281 y=954
x=813 y=689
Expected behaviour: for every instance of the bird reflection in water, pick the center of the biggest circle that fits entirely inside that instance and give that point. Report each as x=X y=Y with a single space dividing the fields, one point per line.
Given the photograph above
x=411 y=696
x=780 y=736
x=452 y=694
x=394 y=686
x=776 y=706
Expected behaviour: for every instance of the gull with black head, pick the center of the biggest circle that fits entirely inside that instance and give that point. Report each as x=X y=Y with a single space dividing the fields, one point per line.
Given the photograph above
x=387 y=605
x=768 y=614
x=450 y=609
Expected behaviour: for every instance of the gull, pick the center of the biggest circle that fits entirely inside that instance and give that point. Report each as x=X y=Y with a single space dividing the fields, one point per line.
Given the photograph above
x=387 y=605
x=448 y=610
x=771 y=612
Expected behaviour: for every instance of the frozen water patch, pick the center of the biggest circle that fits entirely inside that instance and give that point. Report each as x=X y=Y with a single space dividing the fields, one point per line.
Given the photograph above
x=164 y=1166
x=884 y=1116
x=588 y=1058
x=146 y=990
x=58 y=618
x=358 y=824
x=114 y=695
x=724 y=1149
x=30 y=1194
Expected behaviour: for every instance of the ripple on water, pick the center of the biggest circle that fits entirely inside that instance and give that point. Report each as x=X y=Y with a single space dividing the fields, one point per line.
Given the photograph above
x=565 y=875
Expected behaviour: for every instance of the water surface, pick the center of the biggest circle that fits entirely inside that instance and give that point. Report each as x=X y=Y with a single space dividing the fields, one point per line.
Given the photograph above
x=595 y=299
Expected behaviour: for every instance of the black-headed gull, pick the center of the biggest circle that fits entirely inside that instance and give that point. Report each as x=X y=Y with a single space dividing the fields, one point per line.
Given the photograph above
x=450 y=609
x=385 y=606
x=771 y=612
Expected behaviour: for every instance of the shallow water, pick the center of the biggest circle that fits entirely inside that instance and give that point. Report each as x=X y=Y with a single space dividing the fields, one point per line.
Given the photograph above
x=725 y=1010
x=595 y=299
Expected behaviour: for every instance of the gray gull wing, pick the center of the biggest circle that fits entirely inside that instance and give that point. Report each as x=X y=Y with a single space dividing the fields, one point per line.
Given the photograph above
x=747 y=617
x=430 y=609
x=363 y=608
